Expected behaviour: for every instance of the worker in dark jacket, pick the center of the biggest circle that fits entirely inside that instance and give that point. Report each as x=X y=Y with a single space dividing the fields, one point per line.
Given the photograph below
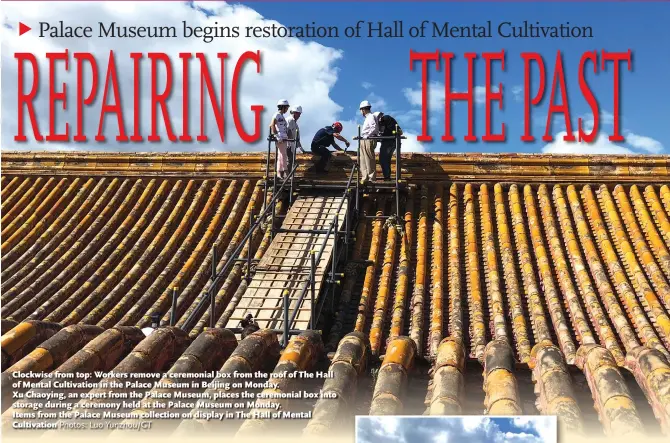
x=324 y=138
x=387 y=128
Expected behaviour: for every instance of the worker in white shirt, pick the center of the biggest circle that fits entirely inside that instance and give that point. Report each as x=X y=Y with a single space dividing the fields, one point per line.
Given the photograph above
x=370 y=129
x=294 y=134
x=279 y=128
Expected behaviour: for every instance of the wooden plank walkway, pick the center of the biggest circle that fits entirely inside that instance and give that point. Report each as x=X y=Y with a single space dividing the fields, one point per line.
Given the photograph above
x=286 y=265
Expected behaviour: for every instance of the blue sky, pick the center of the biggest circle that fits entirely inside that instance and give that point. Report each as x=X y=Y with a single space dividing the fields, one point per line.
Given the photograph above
x=450 y=429
x=384 y=63
x=330 y=77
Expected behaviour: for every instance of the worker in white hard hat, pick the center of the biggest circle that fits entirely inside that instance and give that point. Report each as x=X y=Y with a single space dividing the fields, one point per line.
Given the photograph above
x=293 y=133
x=367 y=155
x=279 y=128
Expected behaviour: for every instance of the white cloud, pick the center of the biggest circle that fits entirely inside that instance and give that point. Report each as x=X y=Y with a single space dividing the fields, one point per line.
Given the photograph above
x=480 y=93
x=606 y=119
x=517 y=93
x=411 y=144
x=436 y=94
x=376 y=101
x=644 y=143
x=473 y=422
x=412 y=118
x=471 y=429
x=367 y=85
x=390 y=424
x=634 y=143
x=302 y=72
x=522 y=437
x=406 y=119
x=602 y=145
x=441 y=437
x=545 y=426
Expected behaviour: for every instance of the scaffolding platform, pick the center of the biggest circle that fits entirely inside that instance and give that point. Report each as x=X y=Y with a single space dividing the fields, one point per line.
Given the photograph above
x=285 y=269
x=337 y=185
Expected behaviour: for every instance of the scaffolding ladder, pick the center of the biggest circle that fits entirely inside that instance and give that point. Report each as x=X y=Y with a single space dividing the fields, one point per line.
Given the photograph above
x=284 y=287
x=293 y=271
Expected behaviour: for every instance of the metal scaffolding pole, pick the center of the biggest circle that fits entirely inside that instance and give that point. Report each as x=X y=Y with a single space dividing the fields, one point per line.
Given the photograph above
x=254 y=223
x=294 y=154
x=397 y=171
x=212 y=319
x=333 y=229
x=358 y=169
x=274 y=190
x=249 y=234
x=286 y=323
x=209 y=295
x=336 y=224
x=312 y=278
x=173 y=312
x=396 y=137
x=267 y=172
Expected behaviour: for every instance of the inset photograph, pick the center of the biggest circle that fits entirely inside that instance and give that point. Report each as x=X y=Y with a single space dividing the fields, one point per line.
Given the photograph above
x=456 y=429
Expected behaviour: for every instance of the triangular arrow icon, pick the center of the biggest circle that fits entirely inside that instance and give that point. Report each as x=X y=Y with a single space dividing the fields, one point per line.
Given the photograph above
x=23 y=28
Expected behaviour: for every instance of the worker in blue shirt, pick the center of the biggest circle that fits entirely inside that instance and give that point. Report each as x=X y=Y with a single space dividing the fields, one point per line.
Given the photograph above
x=324 y=138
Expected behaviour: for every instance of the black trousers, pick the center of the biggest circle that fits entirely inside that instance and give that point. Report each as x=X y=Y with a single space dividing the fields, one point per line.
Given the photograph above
x=324 y=153
x=386 y=151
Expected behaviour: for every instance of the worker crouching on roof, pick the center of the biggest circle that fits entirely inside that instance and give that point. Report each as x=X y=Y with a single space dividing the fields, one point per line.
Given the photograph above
x=367 y=154
x=279 y=128
x=324 y=138
x=293 y=134
x=387 y=128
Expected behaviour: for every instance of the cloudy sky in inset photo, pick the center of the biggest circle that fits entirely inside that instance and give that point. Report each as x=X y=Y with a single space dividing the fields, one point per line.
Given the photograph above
x=475 y=429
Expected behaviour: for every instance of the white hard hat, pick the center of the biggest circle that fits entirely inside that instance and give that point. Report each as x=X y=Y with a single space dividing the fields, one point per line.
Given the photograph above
x=365 y=104
x=297 y=109
x=282 y=102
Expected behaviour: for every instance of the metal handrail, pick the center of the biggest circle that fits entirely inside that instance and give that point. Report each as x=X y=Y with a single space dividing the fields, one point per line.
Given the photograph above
x=233 y=259
x=384 y=137
x=294 y=154
x=397 y=137
x=309 y=284
x=270 y=139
